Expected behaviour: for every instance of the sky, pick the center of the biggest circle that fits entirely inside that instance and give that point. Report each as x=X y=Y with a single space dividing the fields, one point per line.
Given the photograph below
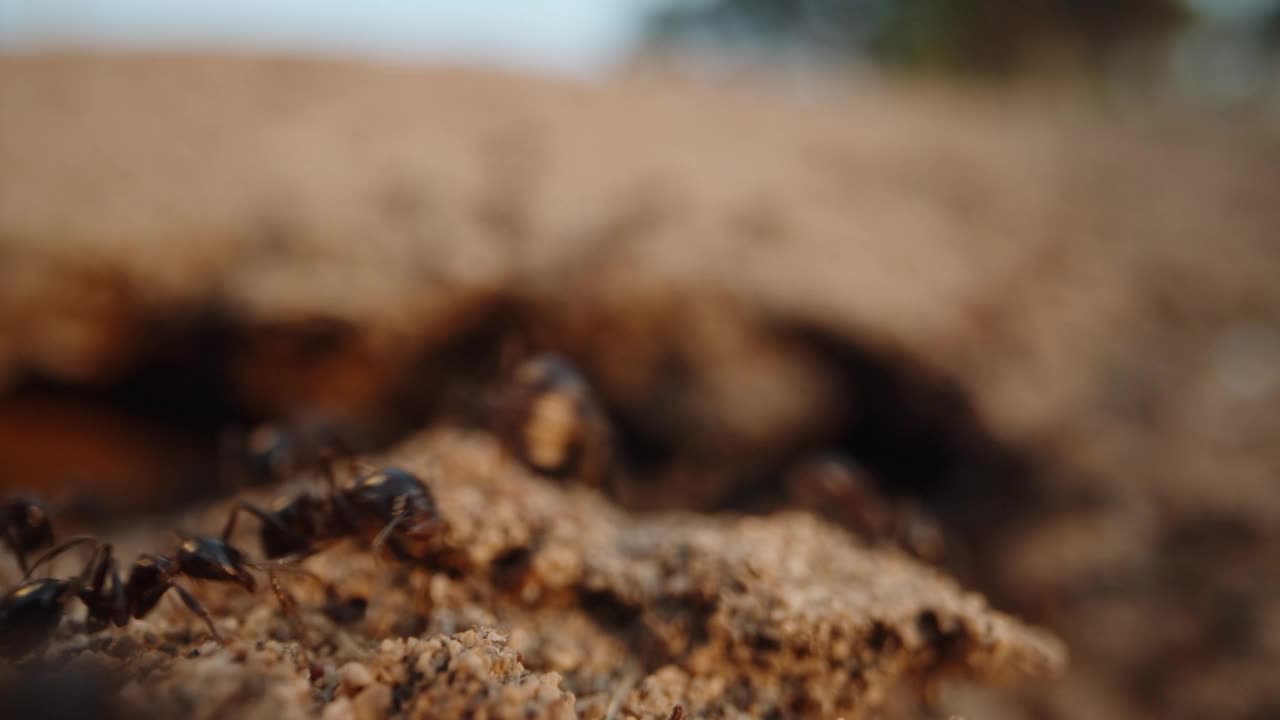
x=559 y=36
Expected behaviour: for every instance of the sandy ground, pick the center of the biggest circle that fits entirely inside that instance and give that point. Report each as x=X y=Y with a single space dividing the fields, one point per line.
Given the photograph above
x=1052 y=325
x=552 y=602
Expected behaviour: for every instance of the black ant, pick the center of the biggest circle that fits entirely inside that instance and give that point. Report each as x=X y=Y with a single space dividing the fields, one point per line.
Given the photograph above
x=29 y=613
x=25 y=527
x=274 y=452
x=391 y=505
x=845 y=493
x=551 y=422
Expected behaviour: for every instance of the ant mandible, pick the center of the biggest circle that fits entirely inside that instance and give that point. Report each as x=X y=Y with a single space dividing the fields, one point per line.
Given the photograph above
x=25 y=527
x=391 y=505
x=29 y=613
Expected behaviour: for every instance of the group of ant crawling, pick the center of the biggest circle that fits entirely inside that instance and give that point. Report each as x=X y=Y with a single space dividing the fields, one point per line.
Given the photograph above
x=551 y=426
x=547 y=419
x=392 y=503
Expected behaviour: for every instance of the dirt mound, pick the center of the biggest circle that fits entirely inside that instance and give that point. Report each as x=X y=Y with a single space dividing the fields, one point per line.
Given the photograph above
x=724 y=616
x=1053 y=329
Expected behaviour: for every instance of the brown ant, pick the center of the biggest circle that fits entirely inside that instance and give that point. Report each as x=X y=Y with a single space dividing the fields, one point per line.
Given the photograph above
x=25 y=527
x=550 y=420
x=391 y=505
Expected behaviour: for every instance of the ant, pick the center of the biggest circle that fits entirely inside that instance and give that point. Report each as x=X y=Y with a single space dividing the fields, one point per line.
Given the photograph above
x=391 y=504
x=844 y=492
x=25 y=527
x=30 y=612
x=551 y=422
x=273 y=452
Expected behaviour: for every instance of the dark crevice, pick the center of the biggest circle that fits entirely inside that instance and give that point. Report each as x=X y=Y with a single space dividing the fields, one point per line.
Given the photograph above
x=949 y=644
x=647 y=629
x=196 y=372
x=914 y=429
x=154 y=424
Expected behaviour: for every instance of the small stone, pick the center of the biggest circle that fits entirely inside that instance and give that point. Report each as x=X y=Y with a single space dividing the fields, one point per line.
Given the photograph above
x=393 y=650
x=354 y=677
x=340 y=709
x=373 y=703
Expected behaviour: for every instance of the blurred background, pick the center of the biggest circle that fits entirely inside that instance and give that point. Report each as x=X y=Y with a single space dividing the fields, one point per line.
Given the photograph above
x=1008 y=267
x=1207 y=51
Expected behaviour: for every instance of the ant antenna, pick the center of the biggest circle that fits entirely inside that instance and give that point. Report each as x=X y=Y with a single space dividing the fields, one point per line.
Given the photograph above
x=382 y=536
x=60 y=548
x=329 y=458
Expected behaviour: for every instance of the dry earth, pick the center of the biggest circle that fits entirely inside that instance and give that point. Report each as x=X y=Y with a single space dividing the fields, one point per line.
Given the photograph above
x=1053 y=325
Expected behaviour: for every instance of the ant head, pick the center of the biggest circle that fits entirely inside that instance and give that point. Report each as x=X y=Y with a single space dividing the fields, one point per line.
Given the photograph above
x=549 y=371
x=28 y=519
x=416 y=517
x=207 y=558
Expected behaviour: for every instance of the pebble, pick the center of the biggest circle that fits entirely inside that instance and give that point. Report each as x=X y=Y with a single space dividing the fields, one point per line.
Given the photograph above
x=340 y=709
x=373 y=703
x=354 y=677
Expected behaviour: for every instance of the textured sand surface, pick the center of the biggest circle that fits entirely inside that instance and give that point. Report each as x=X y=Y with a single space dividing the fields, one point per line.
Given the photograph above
x=553 y=602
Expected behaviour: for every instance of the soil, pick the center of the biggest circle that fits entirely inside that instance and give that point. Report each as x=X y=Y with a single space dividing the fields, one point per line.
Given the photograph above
x=1045 y=326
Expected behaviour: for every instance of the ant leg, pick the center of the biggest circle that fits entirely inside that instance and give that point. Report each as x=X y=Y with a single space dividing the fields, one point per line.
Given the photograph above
x=119 y=602
x=288 y=565
x=327 y=461
x=101 y=552
x=11 y=540
x=194 y=606
x=58 y=549
x=343 y=507
x=381 y=539
x=290 y=607
x=99 y=564
x=337 y=607
x=266 y=517
x=363 y=469
x=97 y=596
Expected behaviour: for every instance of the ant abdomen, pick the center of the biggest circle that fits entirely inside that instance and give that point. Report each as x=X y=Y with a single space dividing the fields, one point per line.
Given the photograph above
x=29 y=614
x=551 y=422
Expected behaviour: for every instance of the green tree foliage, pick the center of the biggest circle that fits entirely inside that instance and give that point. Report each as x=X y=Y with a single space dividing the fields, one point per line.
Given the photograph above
x=982 y=35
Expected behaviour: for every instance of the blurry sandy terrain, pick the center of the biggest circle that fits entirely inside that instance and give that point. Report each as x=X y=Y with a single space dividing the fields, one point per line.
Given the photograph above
x=1098 y=286
x=557 y=604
